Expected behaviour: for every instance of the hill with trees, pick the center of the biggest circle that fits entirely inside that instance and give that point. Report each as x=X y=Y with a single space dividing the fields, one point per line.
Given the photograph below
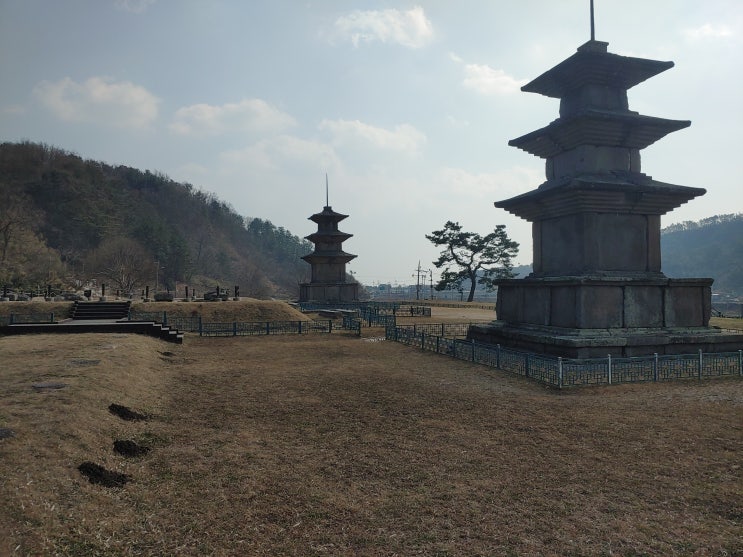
x=66 y=221
x=711 y=247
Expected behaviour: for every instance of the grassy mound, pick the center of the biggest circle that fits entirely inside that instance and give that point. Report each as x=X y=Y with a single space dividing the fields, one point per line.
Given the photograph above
x=244 y=310
x=247 y=309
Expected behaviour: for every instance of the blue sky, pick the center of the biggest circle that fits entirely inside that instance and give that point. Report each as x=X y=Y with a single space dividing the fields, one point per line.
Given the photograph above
x=407 y=106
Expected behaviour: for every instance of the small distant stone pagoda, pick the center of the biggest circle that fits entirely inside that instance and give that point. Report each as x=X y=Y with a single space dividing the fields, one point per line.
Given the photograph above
x=329 y=282
x=597 y=286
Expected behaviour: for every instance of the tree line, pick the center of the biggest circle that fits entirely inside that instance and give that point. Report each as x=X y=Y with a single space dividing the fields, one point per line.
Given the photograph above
x=711 y=247
x=65 y=221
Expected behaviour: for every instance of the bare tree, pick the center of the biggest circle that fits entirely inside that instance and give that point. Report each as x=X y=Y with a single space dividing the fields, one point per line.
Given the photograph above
x=122 y=261
x=16 y=215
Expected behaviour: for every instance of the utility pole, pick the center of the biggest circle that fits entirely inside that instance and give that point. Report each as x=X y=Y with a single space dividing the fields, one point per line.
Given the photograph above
x=418 y=281
x=430 y=272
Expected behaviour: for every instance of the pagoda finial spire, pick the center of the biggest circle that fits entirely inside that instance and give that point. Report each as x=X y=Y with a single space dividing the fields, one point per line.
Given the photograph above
x=593 y=26
x=327 y=199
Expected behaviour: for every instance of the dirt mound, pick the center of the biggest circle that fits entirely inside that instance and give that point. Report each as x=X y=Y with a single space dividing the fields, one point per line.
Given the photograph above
x=247 y=309
x=97 y=474
x=61 y=310
x=243 y=310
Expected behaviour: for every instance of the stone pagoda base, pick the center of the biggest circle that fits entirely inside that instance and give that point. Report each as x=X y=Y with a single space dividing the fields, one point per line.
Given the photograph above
x=586 y=317
x=329 y=292
x=597 y=343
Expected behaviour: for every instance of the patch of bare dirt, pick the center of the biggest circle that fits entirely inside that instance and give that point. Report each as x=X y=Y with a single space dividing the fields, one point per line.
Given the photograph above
x=129 y=448
x=97 y=474
x=450 y=315
x=126 y=413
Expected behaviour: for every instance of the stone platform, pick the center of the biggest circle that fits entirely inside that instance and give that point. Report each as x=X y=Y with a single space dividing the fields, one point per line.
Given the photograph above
x=329 y=292
x=598 y=343
x=592 y=316
x=606 y=302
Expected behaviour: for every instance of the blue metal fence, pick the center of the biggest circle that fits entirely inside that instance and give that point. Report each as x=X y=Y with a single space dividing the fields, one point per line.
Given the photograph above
x=196 y=324
x=565 y=372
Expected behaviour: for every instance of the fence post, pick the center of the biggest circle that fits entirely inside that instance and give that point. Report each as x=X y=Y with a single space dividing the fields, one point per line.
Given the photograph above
x=438 y=339
x=51 y=317
x=527 y=365
x=234 y=328
x=442 y=330
x=330 y=325
x=655 y=367
x=609 y=358
x=165 y=318
x=559 y=372
x=201 y=328
x=423 y=342
x=473 y=349
x=497 y=356
x=268 y=328
x=699 y=369
x=12 y=319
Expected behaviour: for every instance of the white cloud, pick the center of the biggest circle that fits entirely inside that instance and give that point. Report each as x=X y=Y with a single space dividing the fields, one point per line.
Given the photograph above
x=191 y=172
x=708 y=31
x=134 y=6
x=409 y=28
x=455 y=122
x=402 y=138
x=99 y=100
x=488 y=81
x=247 y=115
x=14 y=110
x=277 y=153
x=491 y=186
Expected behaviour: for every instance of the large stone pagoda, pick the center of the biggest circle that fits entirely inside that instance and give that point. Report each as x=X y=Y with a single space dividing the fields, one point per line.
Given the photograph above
x=328 y=282
x=597 y=287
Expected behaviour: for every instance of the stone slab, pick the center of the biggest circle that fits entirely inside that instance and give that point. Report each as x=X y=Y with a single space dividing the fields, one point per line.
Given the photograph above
x=605 y=302
x=48 y=386
x=584 y=343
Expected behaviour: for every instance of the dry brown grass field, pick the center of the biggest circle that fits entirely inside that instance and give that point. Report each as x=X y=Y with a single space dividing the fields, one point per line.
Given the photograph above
x=338 y=445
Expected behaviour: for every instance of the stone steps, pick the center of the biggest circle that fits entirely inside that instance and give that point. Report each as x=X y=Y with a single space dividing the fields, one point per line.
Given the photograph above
x=100 y=310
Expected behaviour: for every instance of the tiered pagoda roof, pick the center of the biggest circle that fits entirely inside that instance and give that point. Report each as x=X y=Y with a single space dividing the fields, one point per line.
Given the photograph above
x=592 y=149
x=597 y=127
x=328 y=239
x=594 y=64
x=596 y=119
